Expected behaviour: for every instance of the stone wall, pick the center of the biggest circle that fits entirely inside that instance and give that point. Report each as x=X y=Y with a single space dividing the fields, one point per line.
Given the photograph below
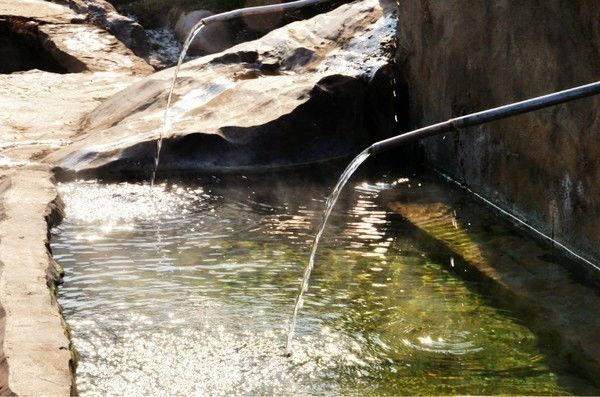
x=461 y=56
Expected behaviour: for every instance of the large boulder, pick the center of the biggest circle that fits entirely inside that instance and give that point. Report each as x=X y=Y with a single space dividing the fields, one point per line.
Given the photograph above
x=42 y=109
x=310 y=91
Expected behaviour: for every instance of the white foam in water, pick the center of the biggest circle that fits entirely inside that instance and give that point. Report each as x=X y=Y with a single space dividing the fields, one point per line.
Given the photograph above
x=165 y=45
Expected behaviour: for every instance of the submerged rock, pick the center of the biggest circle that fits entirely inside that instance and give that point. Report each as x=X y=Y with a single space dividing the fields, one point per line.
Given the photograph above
x=301 y=94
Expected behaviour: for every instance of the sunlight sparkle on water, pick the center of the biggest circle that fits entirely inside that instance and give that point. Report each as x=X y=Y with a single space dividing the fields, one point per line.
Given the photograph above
x=115 y=208
x=208 y=312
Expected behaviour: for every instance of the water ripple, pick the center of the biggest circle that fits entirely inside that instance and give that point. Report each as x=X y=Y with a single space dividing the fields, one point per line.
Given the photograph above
x=204 y=309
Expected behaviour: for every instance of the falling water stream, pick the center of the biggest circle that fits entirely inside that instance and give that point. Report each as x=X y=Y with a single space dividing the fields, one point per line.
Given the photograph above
x=346 y=175
x=330 y=203
x=166 y=123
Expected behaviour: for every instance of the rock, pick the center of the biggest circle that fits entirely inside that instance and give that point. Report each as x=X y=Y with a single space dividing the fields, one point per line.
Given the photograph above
x=298 y=95
x=86 y=48
x=42 y=111
x=103 y=14
x=531 y=277
x=463 y=56
x=38 y=358
x=212 y=38
x=58 y=37
x=37 y=9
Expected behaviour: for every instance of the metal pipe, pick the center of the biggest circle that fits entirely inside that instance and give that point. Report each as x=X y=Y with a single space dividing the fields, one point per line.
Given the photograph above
x=257 y=10
x=488 y=115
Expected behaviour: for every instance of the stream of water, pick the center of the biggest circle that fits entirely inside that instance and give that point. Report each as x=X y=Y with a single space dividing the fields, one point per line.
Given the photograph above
x=383 y=316
x=329 y=205
x=166 y=123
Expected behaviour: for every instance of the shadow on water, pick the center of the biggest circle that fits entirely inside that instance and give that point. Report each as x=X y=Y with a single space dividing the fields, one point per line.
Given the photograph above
x=473 y=237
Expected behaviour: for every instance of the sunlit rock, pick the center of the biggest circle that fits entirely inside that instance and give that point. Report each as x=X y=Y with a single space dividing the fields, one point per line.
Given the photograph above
x=54 y=69
x=126 y=29
x=301 y=94
x=61 y=41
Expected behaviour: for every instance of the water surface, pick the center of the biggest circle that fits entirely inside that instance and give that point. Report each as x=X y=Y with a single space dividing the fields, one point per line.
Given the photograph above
x=193 y=293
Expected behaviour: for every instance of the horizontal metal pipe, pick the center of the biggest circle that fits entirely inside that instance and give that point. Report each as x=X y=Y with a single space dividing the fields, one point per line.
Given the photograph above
x=257 y=10
x=485 y=116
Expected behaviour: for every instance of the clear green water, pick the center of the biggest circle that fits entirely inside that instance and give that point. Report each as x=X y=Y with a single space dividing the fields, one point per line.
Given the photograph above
x=193 y=295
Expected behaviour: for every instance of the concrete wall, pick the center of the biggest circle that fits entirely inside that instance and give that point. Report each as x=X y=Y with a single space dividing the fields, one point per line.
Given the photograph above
x=461 y=56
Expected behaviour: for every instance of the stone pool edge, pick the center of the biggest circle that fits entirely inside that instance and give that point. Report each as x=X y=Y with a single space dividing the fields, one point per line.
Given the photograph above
x=38 y=355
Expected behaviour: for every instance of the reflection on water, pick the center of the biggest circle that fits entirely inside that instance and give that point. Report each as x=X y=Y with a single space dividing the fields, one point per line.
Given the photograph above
x=194 y=296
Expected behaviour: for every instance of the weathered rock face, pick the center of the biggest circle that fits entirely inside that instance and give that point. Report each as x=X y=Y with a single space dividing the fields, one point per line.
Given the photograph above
x=103 y=14
x=40 y=110
x=38 y=358
x=298 y=95
x=21 y=49
x=462 y=56
x=38 y=30
x=36 y=9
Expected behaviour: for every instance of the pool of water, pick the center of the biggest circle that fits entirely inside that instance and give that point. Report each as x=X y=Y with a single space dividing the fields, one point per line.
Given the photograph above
x=190 y=291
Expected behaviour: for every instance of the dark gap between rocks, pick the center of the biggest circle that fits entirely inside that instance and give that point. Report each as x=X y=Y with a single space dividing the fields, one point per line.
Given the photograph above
x=21 y=48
